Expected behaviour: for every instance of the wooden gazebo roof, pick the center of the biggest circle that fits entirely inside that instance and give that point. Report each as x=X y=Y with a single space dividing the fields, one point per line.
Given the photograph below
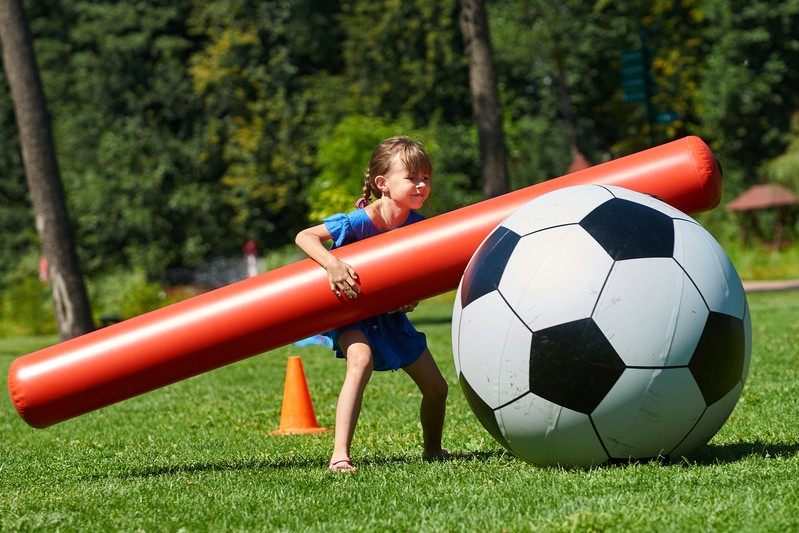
x=763 y=196
x=760 y=198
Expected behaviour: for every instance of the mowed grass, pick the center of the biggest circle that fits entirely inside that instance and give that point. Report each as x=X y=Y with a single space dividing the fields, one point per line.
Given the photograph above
x=197 y=456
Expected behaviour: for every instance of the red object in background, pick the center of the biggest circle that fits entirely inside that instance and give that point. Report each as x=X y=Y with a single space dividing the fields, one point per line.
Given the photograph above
x=250 y=248
x=44 y=274
x=281 y=306
x=251 y=258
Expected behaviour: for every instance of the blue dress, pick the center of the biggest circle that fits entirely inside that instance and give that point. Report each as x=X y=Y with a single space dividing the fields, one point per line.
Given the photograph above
x=394 y=341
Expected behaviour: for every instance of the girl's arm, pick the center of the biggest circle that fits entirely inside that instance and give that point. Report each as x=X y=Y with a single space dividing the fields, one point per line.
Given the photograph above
x=342 y=277
x=405 y=308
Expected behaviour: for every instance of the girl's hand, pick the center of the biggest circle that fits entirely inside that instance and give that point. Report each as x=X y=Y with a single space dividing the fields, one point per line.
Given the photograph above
x=405 y=308
x=343 y=280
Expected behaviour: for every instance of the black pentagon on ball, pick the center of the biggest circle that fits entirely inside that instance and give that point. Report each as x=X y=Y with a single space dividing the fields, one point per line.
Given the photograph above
x=629 y=230
x=485 y=271
x=482 y=411
x=718 y=360
x=573 y=365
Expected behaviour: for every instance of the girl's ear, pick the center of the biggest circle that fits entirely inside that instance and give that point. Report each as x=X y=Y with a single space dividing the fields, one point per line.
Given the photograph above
x=381 y=182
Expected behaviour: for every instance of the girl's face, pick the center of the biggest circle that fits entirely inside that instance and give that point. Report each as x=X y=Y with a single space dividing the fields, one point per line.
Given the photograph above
x=398 y=185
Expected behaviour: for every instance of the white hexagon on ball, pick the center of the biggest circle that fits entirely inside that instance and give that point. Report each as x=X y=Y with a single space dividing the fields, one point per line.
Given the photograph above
x=554 y=276
x=669 y=312
x=489 y=321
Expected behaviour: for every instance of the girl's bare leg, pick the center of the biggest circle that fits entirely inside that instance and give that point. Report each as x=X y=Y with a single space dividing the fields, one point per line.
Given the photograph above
x=359 y=370
x=433 y=386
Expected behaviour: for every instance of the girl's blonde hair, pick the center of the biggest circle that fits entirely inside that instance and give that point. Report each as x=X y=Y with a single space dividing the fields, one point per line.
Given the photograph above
x=413 y=157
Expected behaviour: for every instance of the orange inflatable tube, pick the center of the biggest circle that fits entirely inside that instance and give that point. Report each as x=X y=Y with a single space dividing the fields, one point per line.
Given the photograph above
x=291 y=303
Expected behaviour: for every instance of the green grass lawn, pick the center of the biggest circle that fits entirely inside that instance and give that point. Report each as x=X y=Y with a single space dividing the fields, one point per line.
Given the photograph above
x=197 y=456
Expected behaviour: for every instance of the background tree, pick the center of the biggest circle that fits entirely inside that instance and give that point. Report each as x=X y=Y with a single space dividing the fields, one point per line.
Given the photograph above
x=673 y=37
x=540 y=51
x=784 y=169
x=72 y=309
x=129 y=137
x=16 y=220
x=402 y=70
x=403 y=58
x=747 y=94
x=249 y=76
x=486 y=105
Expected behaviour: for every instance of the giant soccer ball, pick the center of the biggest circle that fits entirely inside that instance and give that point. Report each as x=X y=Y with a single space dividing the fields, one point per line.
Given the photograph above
x=599 y=324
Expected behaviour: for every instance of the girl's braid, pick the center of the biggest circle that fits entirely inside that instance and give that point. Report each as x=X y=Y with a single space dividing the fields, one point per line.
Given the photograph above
x=366 y=199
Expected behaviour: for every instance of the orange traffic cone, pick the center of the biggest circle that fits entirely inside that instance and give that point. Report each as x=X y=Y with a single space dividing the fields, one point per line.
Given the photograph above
x=297 y=415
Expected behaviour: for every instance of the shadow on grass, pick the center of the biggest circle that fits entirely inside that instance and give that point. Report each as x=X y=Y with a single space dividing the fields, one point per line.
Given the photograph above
x=719 y=454
x=224 y=466
x=462 y=457
x=288 y=462
x=714 y=454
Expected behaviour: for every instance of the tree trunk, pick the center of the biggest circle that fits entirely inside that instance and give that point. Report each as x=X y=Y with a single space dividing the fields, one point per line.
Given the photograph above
x=579 y=161
x=485 y=98
x=41 y=170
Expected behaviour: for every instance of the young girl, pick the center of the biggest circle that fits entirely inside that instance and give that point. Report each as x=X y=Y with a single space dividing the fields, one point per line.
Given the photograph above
x=399 y=178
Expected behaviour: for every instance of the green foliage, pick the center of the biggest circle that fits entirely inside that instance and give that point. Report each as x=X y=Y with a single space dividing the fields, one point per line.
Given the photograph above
x=26 y=305
x=746 y=95
x=344 y=156
x=456 y=167
x=16 y=217
x=26 y=308
x=538 y=150
x=125 y=122
x=276 y=257
x=784 y=169
x=761 y=262
x=551 y=53
x=405 y=58
x=16 y=221
x=125 y=295
x=342 y=160
x=197 y=456
x=679 y=34
x=249 y=74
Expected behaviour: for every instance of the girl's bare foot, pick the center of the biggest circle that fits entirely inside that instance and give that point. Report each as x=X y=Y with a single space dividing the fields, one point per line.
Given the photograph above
x=441 y=455
x=342 y=465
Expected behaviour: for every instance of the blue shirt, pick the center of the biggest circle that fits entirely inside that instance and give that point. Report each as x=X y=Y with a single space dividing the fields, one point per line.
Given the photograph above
x=395 y=343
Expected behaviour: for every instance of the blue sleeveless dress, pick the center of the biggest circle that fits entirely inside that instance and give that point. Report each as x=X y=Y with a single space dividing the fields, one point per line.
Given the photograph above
x=394 y=341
